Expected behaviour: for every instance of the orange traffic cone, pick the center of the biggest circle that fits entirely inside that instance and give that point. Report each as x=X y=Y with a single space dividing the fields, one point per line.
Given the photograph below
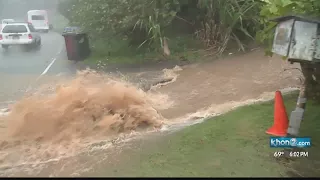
x=281 y=122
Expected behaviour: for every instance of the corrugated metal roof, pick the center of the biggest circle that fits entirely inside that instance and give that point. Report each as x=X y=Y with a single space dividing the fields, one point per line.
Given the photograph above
x=297 y=17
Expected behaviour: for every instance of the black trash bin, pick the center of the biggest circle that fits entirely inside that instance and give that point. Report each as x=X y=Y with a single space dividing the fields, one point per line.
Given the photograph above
x=77 y=45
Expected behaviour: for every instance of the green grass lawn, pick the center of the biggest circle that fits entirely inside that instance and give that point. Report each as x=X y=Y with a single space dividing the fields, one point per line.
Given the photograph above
x=231 y=145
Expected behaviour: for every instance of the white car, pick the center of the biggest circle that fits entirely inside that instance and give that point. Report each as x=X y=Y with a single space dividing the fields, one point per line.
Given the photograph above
x=19 y=34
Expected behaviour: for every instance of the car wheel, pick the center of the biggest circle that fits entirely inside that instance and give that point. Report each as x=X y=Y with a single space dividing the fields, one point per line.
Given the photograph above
x=5 y=46
x=38 y=45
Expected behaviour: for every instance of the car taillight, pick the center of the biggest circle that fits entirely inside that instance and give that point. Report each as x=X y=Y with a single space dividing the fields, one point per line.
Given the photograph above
x=0 y=36
x=29 y=36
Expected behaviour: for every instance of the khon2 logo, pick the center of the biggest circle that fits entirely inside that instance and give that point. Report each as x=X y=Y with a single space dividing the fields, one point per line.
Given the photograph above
x=286 y=142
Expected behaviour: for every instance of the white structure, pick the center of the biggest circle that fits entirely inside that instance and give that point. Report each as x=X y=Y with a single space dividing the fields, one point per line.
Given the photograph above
x=297 y=38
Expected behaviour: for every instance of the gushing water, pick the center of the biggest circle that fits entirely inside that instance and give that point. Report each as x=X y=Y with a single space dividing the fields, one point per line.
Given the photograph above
x=90 y=109
x=57 y=126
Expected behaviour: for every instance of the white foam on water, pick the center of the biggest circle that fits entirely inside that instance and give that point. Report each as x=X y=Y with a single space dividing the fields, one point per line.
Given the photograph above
x=4 y=112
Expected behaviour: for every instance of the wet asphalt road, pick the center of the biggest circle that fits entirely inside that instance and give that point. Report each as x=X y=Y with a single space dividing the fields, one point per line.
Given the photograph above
x=19 y=69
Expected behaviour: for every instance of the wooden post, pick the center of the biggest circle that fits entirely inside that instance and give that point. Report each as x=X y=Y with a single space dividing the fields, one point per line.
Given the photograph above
x=297 y=115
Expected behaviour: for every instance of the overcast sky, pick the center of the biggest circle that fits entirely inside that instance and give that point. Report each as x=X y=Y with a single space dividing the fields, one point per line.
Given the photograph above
x=17 y=9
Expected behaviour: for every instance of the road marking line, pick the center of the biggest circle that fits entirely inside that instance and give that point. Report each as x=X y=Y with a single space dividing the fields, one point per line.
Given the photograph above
x=48 y=67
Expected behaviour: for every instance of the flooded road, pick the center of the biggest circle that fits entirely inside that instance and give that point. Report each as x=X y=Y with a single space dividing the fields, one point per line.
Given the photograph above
x=20 y=69
x=68 y=127
x=22 y=72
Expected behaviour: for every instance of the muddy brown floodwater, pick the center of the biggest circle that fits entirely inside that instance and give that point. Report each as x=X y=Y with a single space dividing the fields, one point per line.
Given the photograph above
x=67 y=127
x=236 y=79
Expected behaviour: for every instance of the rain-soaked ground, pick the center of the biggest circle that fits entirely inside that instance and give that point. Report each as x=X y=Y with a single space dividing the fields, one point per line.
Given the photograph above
x=70 y=129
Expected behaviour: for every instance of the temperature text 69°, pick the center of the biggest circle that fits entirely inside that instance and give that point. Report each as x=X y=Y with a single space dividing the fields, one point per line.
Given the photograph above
x=278 y=154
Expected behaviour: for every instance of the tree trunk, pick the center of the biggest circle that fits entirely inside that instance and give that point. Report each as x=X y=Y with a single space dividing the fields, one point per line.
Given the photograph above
x=166 y=50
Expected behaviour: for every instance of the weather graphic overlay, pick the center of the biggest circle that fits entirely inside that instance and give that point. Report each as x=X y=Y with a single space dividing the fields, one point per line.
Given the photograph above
x=294 y=147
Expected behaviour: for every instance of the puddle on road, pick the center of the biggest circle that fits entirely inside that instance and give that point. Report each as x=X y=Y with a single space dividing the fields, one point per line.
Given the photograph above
x=65 y=130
